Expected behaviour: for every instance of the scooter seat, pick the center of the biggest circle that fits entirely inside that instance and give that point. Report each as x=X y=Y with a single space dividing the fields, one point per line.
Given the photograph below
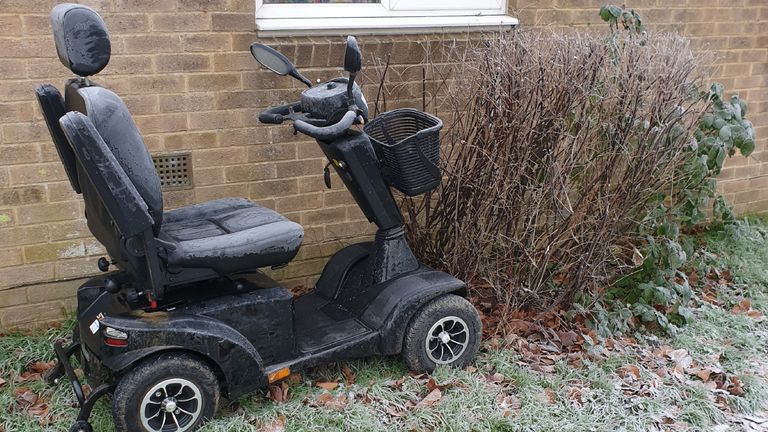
x=229 y=235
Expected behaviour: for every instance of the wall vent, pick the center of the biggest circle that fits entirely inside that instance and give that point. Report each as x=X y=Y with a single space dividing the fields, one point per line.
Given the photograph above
x=175 y=170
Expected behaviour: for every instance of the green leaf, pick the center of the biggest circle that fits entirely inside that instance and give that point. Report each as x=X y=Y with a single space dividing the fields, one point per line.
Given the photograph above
x=708 y=120
x=719 y=123
x=716 y=89
x=686 y=313
x=722 y=211
x=605 y=14
x=725 y=133
x=747 y=147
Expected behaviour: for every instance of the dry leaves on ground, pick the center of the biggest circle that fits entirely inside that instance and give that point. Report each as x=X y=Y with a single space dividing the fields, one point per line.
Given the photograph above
x=327 y=385
x=745 y=307
x=349 y=374
x=541 y=340
x=328 y=400
x=278 y=392
x=277 y=425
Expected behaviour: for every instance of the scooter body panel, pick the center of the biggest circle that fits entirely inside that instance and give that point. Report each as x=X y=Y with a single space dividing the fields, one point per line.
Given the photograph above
x=245 y=336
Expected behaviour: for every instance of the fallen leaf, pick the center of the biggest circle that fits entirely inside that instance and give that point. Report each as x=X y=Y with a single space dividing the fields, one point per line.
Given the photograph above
x=362 y=394
x=744 y=305
x=637 y=257
x=508 y=404
x=322 y=399
x=629 y=371
x=278 y=392
x=29 y=376
x=2 y=382
x=338 y=403
x=395 y=384
x=327 y=385
x=703 y=374
x=496 y=378
x=40 y=367
x=277 y=425
x=568 y=338
x=431 y=399
x=576 y=395
x=25 y=398
x=736 y=387
x=547 y=396
x=682 y=360
x=453 y=382
x=328 y=400
x=39 y=409
x=349 y=374
x=294 y=378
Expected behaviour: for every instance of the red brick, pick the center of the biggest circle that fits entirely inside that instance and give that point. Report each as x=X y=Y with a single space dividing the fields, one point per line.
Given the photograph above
x=20 y=275
x=229 y=22
x=145 y=5
x=181 y=22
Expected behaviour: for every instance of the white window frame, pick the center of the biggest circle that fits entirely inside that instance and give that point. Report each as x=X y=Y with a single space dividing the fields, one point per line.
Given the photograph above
x=387 y=16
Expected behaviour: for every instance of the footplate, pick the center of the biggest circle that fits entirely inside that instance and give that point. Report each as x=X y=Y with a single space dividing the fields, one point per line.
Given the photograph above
x=85 y=402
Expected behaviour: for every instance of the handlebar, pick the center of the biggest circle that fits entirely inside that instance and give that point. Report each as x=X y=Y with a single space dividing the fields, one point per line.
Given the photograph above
x=275 y=115
x=326 y=133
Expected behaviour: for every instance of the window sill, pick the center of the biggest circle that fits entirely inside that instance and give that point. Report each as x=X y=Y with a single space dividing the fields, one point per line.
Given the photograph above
x=381 y=26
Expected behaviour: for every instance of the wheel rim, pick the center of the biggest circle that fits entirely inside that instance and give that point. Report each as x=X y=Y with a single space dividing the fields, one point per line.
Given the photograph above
x=447 y=340
x=173 y=405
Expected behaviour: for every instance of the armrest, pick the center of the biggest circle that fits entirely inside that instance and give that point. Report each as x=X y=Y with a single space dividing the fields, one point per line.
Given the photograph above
x=116 y=191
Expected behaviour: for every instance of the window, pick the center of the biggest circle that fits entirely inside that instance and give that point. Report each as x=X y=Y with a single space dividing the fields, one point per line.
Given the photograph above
x=291 y=17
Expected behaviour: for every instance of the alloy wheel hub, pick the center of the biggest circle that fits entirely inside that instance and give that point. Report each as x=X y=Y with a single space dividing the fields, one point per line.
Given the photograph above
x=447 y=340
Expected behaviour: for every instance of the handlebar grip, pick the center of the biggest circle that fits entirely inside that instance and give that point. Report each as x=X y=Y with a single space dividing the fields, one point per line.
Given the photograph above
x=277 y=114
x=326 y=133
x=269 y=118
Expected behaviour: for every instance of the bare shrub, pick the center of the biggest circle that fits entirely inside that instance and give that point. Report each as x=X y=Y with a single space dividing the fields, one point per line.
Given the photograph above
x=556 y=146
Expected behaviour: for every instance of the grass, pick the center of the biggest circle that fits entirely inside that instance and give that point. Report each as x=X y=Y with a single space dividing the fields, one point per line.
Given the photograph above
x=542 y=402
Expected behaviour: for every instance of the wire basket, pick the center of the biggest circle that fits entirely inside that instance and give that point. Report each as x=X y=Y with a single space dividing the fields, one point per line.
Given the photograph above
x=408 y=144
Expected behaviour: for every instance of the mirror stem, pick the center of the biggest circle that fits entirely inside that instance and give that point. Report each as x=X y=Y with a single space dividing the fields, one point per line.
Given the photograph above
x=296 y=74
x=350 y=86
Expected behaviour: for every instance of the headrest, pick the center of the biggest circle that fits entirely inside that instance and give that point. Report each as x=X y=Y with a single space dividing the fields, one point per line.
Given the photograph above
x=81 y=37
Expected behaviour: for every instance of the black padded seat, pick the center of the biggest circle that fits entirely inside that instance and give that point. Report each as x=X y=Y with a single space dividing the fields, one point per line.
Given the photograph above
x=230 y=235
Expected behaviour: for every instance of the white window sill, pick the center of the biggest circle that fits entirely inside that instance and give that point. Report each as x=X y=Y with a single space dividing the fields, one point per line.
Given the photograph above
x=383 y=25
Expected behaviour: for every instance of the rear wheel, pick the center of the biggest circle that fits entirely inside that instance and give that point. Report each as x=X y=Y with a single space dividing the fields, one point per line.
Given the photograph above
x=172 y=392
x=445 y=331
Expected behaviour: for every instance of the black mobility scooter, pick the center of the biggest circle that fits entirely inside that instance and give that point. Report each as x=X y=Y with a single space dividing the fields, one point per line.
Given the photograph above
x=187 y=316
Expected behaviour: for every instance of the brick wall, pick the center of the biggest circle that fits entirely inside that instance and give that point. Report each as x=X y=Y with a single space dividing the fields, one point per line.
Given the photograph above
x=184 y=69
x=735 y=30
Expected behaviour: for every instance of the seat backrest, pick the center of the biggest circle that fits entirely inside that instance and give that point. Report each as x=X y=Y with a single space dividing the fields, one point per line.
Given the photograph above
x=83 y=46
x=113 y=121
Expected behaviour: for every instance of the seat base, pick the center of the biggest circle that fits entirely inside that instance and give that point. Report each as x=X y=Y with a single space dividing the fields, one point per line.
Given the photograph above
x=229 y=235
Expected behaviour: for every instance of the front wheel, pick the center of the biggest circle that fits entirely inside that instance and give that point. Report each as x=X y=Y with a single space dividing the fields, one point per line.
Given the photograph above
x=445 y=331
x=172 y=392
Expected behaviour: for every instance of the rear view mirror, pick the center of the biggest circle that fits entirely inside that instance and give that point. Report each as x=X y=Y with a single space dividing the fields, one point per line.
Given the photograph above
x=273 y=60
x=353 y=57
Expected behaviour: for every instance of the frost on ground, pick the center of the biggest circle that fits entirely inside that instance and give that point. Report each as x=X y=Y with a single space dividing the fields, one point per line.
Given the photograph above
x=546 y=373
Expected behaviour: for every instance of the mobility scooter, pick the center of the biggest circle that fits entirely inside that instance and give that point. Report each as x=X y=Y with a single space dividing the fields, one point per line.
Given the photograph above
x=187 y=316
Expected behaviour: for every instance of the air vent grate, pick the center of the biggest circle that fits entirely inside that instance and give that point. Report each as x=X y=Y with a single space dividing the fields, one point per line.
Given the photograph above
x=175 y=170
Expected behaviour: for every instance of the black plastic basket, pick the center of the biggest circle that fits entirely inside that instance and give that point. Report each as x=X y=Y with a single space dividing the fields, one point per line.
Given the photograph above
x=408 y=143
